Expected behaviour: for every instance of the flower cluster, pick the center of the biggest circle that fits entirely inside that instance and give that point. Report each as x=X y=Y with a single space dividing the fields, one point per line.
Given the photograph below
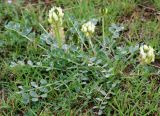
x=146 y=54
x=55 y=15
x=88 y=28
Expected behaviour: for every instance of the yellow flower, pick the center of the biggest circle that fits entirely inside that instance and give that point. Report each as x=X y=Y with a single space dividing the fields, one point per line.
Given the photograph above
x=146 y=54
x=55 y=15
x=88 y=28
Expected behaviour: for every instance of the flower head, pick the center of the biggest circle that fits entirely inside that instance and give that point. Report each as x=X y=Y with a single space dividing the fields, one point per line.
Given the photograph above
x=55 y=15
x=88 y=28
x=146 y=54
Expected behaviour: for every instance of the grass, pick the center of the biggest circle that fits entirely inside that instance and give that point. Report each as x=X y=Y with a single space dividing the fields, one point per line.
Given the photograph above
x=74 y=80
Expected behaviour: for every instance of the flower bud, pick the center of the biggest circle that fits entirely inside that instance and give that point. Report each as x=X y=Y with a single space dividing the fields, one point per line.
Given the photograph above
x=103 y=11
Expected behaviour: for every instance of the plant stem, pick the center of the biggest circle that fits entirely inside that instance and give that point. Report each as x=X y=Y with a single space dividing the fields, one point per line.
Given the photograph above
x=103 y=33
x=91 y=45
x=58 y=37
